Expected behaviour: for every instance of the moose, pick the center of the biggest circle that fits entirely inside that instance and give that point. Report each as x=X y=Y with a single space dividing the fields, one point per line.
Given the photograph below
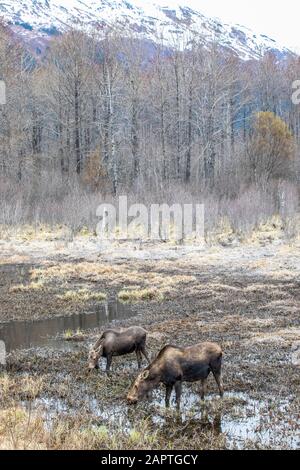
x=173 y=366
x=118 y=342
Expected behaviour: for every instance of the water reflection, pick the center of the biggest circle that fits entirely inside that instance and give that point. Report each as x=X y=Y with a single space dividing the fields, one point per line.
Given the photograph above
x=25 y=335
x=178 y=426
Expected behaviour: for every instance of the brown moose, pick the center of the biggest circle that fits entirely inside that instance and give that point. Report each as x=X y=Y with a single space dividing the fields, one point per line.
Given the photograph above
x=118 y=342
x=175 y=365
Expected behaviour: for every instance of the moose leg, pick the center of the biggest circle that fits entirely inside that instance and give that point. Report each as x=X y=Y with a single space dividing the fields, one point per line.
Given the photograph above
x=169 y=389
x=139 y=358
x=178 y=389
x=145 y=354
x=203 y=388
x=218 y=378
x=108 y=362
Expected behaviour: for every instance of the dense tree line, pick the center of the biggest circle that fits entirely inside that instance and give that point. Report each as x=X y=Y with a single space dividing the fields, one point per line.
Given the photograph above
x=115 y=116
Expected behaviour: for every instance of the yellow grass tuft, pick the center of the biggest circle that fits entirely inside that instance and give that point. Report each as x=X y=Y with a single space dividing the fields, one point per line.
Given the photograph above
x=70 y=335
x=132 y=295
x=82 y=295
x=33 y=286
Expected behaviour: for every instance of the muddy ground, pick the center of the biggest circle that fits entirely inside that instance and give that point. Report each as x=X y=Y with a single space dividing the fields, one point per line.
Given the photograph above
x=247 y=298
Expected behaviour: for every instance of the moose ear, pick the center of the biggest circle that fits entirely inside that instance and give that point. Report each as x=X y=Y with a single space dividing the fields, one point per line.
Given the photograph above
x=145 y=375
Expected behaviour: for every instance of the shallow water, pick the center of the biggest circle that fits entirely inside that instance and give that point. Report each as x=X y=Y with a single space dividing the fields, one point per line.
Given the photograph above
x=240 y=421
x=44 y=333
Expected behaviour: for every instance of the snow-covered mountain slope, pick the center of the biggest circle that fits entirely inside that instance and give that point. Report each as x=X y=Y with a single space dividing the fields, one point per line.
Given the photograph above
x=37 y=20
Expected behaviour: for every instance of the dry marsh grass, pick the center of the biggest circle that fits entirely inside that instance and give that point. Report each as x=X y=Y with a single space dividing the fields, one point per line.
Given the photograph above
x=39 y=232
x=32 y=286
x=137 y=284
x=82 y=295
x=19 y=430
x=133 y=295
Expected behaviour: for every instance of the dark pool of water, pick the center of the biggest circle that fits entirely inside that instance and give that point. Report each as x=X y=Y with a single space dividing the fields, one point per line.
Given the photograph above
x=43 y=333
